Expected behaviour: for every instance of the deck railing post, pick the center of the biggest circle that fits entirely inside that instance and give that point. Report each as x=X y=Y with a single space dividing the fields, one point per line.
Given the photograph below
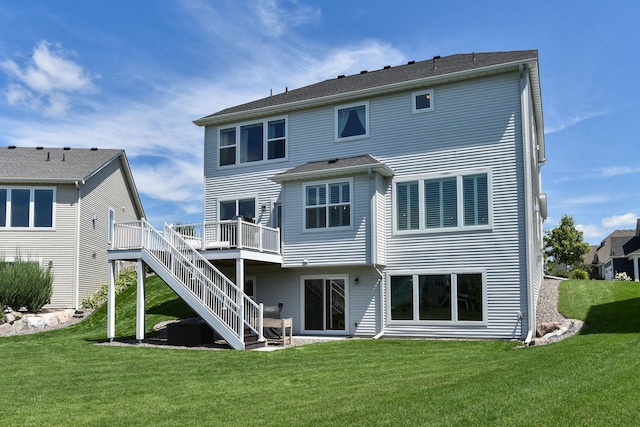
x=261 y=323
x=260 y=234
x=239 y=233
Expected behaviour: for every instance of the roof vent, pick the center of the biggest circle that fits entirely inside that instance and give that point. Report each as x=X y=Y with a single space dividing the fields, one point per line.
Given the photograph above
x=48 y=156
x=94 y=149
x=332 y=161
x=473 y=56
x=341 y=76
x=39 y=148
x=434 y=61
x=411 y=62
x=66 y=148
x=363 y=72
x=386 y=67
x=63 y=157
x=12 y=147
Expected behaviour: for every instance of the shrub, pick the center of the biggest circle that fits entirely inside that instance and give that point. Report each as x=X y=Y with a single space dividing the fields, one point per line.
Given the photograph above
x=125 y=279
x=579 y=274
x=25 y=284
x=622 y=277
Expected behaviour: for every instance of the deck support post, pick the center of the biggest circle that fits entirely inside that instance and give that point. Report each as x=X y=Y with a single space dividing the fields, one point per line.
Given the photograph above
x=240 y=284
x=111 y=301
x=636 y=275
x=140 y=300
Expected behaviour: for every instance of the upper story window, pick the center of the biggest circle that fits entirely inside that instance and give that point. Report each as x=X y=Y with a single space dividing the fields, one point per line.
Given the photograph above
x=252 y=142
x=422 y=101
x=327 y=205
x=440 y=203
x=22 y=207
x=352 y=121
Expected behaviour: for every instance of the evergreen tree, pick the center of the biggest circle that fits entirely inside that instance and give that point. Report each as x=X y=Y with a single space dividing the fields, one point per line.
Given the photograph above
x=564 y=246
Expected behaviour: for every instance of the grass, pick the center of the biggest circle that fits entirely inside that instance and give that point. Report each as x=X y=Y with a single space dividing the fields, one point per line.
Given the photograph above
x=61 y=377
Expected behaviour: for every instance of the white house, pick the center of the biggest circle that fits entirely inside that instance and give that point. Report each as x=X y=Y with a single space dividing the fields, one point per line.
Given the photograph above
x=57 y=206
x=404 y=201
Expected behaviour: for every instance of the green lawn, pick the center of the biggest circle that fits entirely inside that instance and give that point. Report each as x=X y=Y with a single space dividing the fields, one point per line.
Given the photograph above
x=62 y=378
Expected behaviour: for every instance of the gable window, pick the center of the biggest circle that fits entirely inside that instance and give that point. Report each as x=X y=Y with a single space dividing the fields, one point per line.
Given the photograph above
x=439 y=297
x=352 y=121
x=422 y=101
x=327 y=205
x=439 y=203
x=27 y=207
x=237 y=207
x=252 y=142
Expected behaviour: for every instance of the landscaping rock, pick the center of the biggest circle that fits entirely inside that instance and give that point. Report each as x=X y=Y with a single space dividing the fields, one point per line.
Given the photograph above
x=6 y=329
x=50 y=320
x=545 y=328
x=10 y=318
x=35 y=322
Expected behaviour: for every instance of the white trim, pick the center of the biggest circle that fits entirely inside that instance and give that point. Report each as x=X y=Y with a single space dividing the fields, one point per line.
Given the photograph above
x=265 y=141
x=337 y=108
x=432 y=105
x=459 y=175
x=326 y=183
x=111 y=221
x=454 y=297
x=325 y=277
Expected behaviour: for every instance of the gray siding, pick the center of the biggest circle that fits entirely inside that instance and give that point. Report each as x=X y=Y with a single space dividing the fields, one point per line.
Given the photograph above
x=106 y=189
x=53 y=247
x=476 y=124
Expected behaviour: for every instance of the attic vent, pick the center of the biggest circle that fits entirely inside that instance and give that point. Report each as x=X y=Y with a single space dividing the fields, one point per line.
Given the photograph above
x=39 y=148
x=332 y=161
x=12 y=147
x=341 y=76
x=363 y=72
x=386 y=67
x=48 y=156
x=67 y=148
x=434 y=61
x=94 y=149
x=473 y=58
x=411 y=62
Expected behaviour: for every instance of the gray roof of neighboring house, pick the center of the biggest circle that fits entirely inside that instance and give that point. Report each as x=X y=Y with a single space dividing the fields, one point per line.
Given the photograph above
x=388 y=76
x=42 y=165
x=334 y=166
x=590 y=257
x=616 y=245
x=31 y=164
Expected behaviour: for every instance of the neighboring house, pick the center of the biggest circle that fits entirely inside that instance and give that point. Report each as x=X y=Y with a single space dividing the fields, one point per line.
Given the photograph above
x=404 y=201
x=618 y=253
x=57 y=206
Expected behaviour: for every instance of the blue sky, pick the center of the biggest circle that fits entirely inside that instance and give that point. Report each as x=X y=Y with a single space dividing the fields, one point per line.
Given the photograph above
x=135 y=74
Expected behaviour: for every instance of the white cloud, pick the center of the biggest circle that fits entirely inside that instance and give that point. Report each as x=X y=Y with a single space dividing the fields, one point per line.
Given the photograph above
x=618 y=170
x=588 y=200
x=590 y=231
x=45 y=79
x=275 y=18
x=553 y=126
x=627 y=220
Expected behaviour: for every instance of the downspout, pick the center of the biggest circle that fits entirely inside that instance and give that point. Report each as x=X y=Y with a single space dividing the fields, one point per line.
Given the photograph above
x=528 y=195
x=76 y=280
x=381 y=333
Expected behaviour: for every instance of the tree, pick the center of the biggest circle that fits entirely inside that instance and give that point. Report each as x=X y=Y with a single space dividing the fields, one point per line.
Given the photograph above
x=564 y=246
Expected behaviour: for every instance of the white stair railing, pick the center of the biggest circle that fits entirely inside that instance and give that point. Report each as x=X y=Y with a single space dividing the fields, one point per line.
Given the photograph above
x=214 y=291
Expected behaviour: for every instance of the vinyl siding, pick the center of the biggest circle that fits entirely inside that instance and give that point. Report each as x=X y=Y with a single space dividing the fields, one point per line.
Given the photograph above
x=107 y=189
x=476 y=124
x=55 y=247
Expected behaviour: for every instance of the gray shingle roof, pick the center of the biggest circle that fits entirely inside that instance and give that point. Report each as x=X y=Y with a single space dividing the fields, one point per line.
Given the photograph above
x=334 y=166
x=30 y=164
x=384 y=77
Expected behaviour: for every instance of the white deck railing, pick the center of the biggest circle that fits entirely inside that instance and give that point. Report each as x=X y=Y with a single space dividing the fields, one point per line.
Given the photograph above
x=231 y=234
x=204 y=281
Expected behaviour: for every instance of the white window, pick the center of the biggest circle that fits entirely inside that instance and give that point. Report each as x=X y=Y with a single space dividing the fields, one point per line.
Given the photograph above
x=351 y=121
x=442 y=202
x=228 y=209
x=112 y=220
x=422 y=102
x=327 y=205
x=252 y=142
x=22 y=207
x=435 y=297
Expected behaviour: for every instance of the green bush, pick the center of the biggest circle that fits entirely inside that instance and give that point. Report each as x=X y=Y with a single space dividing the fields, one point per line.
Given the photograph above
x=124 y=280
x=25 y=284
x=579 y=274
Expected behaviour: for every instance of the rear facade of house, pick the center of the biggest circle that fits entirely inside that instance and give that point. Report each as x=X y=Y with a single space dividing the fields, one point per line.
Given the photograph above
x=408 y=198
